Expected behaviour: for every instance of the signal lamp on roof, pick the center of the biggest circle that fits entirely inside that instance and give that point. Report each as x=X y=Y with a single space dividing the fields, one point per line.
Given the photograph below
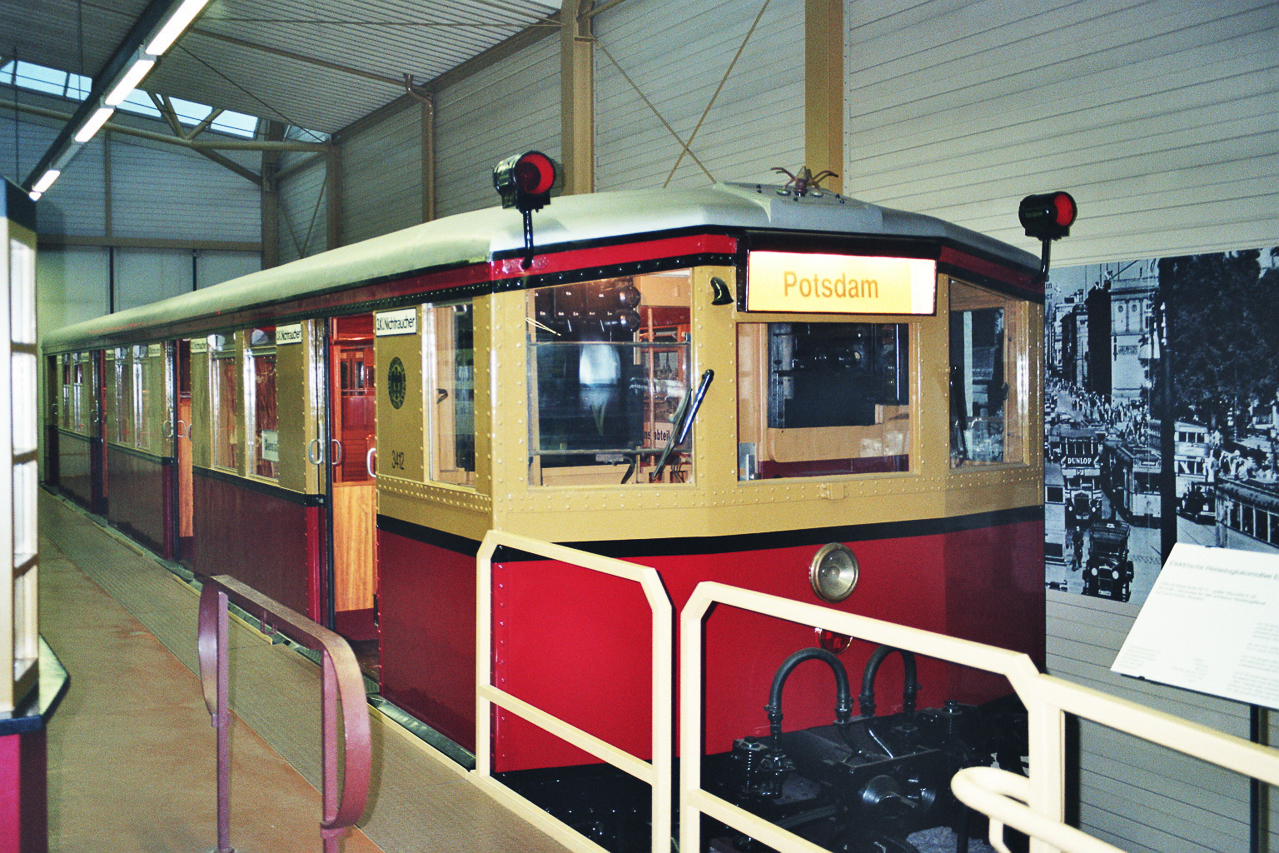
x=524 y=181
x=1047 y=216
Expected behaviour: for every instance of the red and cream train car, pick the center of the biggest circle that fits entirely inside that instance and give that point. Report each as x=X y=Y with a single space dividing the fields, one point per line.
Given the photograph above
x=718 y=383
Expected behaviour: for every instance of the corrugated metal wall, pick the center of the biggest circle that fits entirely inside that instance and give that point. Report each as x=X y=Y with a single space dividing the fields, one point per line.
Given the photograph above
x=674 y=54
x=508 y=108
x=159 y=194
x=162 y=192
x=303 y=212
x=80 y=188
x=1140 y=797
x=1161 y=118
x=71 y=286
x=1158 y=115
x=382 y=176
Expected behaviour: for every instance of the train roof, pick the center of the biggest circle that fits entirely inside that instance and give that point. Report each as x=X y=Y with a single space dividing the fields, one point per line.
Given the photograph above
x=480 y=236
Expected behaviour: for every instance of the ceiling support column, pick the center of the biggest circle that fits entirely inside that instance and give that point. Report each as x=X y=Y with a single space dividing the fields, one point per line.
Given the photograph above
x=271 y=199
x=428 y=157
x=333 y=193
x=824 y=89
x=577 y=97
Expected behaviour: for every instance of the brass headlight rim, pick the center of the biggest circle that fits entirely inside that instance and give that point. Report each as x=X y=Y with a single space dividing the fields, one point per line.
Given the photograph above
x=841 y=558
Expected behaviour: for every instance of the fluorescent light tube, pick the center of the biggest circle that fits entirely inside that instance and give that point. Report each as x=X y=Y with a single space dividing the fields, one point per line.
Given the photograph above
x=46 y=181
x=140 y=68
x=173 y=27
x=94 y=124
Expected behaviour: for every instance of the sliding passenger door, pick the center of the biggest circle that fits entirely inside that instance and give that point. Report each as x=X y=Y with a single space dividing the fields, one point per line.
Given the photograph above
x=352 y=488
x=183 y=515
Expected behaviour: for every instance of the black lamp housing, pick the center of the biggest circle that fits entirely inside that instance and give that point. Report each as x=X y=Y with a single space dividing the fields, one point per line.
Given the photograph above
x=1047 y=216
x=524 y=181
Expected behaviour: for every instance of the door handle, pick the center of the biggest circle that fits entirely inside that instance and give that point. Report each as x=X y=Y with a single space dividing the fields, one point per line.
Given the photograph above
x=368 y=462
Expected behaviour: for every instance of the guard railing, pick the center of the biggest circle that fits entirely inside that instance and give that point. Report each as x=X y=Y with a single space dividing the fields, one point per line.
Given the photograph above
x=657 y=773
x=1033 y=804
x=345 y=793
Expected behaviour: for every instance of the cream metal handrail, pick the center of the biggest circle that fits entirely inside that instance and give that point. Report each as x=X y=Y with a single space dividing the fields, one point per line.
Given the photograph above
x=1001 y=796
x=988 y=790
x=657 y=774
x=1047 y=699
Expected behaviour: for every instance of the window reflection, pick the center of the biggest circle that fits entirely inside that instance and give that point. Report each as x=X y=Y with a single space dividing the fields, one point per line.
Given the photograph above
x=608 y=375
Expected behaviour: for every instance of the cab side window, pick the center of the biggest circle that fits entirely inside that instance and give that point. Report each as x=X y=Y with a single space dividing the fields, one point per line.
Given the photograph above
x=989 y=375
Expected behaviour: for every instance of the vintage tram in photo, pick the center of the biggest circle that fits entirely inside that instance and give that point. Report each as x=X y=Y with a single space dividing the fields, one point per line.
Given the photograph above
x=718 y=383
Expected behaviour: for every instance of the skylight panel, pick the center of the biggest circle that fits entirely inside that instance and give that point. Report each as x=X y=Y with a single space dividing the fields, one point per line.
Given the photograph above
x=189 y=112
x=236 y=124
x=139 y=103
x=41 y=79
x=76 y=87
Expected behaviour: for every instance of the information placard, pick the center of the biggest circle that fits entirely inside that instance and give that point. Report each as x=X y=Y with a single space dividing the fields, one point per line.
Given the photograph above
x=1210 y=624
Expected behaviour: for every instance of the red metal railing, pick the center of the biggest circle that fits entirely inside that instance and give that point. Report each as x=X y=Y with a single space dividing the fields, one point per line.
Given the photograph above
x=345 y=796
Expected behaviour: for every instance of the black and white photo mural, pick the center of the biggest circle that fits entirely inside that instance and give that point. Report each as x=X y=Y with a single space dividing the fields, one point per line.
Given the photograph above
x=1161 y=415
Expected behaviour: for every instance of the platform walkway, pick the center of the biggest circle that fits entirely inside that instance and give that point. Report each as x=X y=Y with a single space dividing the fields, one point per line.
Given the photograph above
x=131 y=750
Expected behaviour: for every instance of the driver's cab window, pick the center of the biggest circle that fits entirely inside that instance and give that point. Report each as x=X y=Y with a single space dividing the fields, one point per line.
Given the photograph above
x=609 y=381
x=820 y=399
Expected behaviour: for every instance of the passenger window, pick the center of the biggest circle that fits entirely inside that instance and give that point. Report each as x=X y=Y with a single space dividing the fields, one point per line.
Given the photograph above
x=609 y=381
x=265 y=424
x=142 y=390
x=77 y=392
x=64 y=413
x=453 y=394
x=70 y=393
x=822 y=399
x=223 y=367
x=123 y=397
x=989 y=373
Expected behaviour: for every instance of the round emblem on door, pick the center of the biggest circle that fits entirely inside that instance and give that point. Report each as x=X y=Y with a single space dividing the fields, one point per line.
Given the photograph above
x=396 y=382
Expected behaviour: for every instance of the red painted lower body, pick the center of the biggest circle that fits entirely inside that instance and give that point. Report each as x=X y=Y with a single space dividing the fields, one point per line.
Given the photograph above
x=75 y=468
x=578 y=644
x=141 y=505
x=271 y=542
x=426 y=608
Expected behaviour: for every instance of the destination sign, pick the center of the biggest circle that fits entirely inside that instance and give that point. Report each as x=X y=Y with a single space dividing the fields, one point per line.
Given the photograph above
x=792 y=282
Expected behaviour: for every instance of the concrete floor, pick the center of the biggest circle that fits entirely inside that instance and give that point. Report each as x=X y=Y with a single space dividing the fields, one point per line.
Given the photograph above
x=131 y=751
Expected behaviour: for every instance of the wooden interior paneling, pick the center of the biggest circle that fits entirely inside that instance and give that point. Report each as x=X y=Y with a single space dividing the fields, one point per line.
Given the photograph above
x=353 y=543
